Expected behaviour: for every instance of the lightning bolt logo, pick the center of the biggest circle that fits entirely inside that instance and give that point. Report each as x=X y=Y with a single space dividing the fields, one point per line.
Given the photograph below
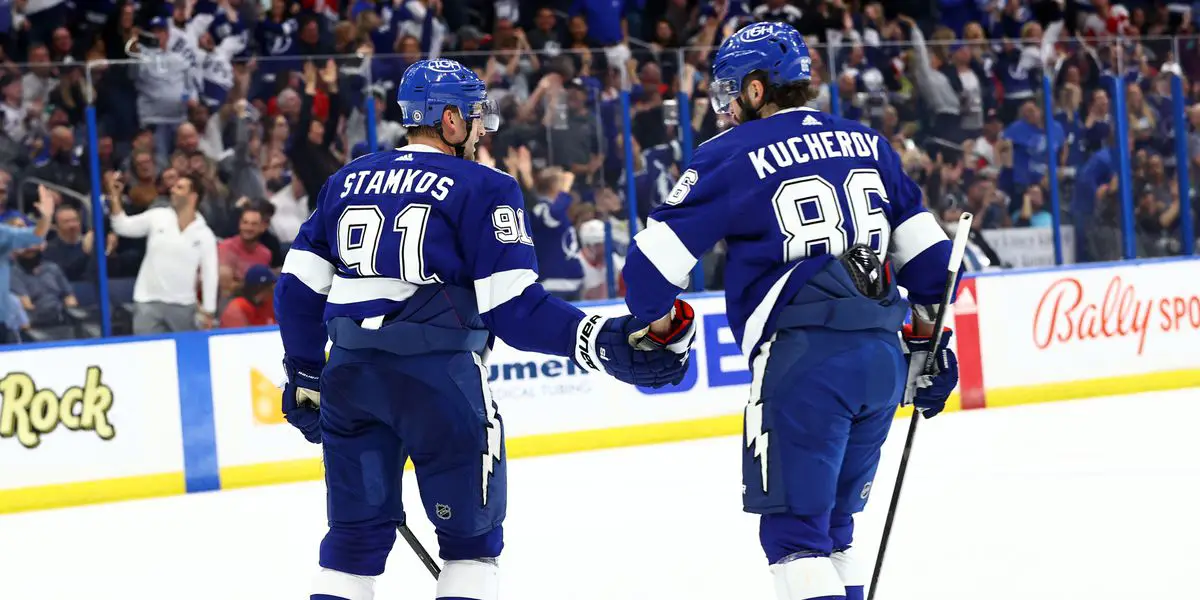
x=494 y=430
x=757 y=439
x=492 y=456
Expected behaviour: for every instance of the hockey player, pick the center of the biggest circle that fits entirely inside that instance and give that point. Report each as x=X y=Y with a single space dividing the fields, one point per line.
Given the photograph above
x=808 y=204
x=412 y=262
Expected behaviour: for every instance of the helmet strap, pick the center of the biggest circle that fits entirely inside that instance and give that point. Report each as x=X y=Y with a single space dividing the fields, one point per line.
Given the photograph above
x=460 y=150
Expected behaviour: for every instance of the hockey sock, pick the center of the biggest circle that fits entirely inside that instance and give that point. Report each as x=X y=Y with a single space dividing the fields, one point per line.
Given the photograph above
x=469 y=580
x=805 y=576
x=335 y=585
x=847 y=559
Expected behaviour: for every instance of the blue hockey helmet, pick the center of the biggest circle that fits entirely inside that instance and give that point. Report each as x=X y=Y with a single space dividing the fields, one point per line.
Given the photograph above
x=429 y=86
x=776 y=49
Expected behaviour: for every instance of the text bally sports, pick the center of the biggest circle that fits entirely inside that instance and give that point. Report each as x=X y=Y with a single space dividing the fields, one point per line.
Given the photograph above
x=1072 y=311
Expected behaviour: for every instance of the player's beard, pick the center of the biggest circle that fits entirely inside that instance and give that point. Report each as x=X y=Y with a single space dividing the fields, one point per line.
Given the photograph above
x=748 y=113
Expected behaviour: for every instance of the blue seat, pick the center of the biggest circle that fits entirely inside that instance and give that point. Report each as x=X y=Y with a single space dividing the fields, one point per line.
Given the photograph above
x=85 y=293
x=120 y=291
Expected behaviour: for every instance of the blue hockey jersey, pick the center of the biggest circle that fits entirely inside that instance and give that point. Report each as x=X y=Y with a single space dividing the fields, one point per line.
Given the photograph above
x=787 y=193
x=395 y=226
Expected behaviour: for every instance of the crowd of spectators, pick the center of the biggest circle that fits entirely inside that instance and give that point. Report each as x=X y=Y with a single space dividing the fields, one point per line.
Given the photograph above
x=217 y=122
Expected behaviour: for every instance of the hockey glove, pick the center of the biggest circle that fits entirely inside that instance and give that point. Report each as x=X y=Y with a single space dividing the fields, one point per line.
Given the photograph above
x=624 y=348
x=302 y=400
x=929 y=391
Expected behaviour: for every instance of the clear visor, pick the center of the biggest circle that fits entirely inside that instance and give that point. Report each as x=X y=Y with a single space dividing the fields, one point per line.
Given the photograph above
x=486 y=111
x=722 y=93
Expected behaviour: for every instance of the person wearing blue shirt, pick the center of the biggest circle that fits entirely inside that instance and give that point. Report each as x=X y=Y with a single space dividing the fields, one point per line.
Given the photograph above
x=554 y=238
x=13 y=237
x=1030 y=143
x=1033 y=211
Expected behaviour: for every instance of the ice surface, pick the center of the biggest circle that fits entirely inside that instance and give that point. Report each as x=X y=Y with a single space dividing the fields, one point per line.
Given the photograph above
x=1075 y=500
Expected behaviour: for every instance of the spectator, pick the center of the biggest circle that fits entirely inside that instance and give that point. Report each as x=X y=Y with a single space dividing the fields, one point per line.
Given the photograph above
x=1033 y=211
x=547 y=38
x=179 y=243
x=42 y=287
x=1155 y=219
x=1031 y=149
x=69 y=247
x=61 y=164
x=291 y=209
x=38 y=82
x=20 y=119
x=14 y=238
x=1143 y=123
x=240 y=166
x=556 y=245
x=575 y=143
x=937 y=91
x=254 y=304
x=164 y=82
x=239 y=253
x=974 y=88
x=312 y=155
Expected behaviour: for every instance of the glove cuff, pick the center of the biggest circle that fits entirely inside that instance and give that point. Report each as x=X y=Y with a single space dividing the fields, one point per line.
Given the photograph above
x=586 y=353
x=300 y=374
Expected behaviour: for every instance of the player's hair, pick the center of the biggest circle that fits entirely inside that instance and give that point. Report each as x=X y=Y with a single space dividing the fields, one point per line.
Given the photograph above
x=788 y=95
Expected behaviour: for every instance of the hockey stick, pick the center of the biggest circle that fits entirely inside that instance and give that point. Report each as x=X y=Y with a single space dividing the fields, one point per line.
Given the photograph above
x=952 y=268
x=416 y=546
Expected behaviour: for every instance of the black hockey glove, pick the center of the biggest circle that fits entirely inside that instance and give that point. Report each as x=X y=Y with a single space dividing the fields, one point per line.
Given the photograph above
x=302 y=400
x=625 y=349
x=929 y=391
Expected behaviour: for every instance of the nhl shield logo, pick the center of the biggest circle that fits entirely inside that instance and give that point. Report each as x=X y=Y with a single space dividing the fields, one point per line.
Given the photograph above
x=442 y=511
x=866 y=491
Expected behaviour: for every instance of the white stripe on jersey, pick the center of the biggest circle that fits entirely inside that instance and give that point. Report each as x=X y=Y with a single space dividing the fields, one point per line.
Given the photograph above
x=314 y=271
x=498 y=288
x=913 y=237
x=346 y=290
x=666 y=252
x=756 y=323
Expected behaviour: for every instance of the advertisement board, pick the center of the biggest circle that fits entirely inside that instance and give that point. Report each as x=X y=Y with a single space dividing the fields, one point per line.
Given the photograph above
x=540 y=394
x=96 y=412
x=247 y=371
x=537 y=395
x=85 y=422
x=1030 y=246
x=1064 y=326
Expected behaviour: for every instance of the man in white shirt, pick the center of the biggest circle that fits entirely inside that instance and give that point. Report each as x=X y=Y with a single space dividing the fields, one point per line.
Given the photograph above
x=179 y=244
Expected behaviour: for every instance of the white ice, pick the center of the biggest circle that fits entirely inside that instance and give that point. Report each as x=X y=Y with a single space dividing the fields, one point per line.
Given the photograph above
x=1090 y=499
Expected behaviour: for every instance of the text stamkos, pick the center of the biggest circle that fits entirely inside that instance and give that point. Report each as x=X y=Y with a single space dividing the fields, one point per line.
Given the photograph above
x=1070 y=311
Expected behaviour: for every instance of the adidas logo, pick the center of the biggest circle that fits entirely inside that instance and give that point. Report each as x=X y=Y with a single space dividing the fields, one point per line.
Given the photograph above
x=404 y=158
x=810 y=120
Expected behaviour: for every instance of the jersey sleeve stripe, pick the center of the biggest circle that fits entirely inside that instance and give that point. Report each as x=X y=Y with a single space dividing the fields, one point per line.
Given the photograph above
x=667 y=253
x=314 y=271
x=346 y=290
x=500 y=287
x=914 y=236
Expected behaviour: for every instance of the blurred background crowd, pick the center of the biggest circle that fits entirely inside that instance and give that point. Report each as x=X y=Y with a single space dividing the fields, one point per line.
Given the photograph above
x=217 y=123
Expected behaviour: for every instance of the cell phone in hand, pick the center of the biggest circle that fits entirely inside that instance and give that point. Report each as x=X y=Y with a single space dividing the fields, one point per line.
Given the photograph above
x=670 y=111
